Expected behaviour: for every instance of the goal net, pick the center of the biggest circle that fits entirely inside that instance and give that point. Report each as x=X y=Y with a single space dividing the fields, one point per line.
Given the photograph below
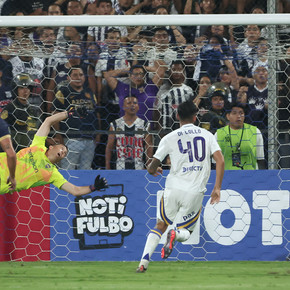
x=158 y=64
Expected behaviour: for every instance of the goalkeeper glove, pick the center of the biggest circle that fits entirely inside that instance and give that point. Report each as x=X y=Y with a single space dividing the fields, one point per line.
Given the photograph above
x=100 y=183
x=77 y=112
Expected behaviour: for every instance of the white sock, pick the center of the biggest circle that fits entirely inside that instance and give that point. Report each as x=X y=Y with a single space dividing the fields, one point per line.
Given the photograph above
x=150 y=246
x=182 y=235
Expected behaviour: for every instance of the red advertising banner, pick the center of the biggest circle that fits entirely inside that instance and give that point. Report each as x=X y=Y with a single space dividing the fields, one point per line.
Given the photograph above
x=25 y=225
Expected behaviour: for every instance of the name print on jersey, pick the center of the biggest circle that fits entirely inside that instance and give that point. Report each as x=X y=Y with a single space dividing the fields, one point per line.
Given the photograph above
x=189 y=131
x=32 y=161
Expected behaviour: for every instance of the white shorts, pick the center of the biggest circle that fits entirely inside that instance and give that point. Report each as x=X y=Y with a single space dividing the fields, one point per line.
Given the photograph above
x=180 y=207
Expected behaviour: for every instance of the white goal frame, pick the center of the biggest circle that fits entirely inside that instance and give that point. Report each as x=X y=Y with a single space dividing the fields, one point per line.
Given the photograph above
x=148 y=20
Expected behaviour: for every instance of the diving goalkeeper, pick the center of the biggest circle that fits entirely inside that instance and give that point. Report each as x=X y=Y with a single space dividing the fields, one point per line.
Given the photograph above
x=35 y=164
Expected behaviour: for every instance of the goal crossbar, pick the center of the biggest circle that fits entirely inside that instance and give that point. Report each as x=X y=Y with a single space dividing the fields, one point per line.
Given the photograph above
x=148 y=20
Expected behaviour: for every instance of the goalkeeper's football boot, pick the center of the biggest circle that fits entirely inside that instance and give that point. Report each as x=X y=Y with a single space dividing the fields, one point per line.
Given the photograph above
x=168 y=246
x=141 y=269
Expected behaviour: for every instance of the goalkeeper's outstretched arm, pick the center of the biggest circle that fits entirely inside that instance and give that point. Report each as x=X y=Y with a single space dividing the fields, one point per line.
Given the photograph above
x=100 y=183
x=44 y=129
x=78 y=112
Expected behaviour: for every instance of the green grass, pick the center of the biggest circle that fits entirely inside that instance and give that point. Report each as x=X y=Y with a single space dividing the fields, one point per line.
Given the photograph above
x=160 y=275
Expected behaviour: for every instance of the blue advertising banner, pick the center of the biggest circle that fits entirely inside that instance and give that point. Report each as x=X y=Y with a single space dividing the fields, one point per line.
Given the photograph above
x=251 y=222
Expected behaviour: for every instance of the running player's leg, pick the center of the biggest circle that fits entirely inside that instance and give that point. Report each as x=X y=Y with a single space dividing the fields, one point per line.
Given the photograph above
x=151 y=244
x=165 y=217
x=168 y=210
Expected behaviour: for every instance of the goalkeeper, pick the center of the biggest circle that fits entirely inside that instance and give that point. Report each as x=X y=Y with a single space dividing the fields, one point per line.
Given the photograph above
x=35 y=164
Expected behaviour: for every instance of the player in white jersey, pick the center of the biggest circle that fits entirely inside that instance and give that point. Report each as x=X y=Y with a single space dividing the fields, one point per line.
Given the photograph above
x=190 y=149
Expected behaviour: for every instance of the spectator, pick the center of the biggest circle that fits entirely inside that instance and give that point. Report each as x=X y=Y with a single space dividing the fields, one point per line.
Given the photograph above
x=218 y=30
x=6 y=145
x=145 y=89
x=190 y=57
x=114 y=57
x=242 y=98
x=90 y=8
x=258 y=97
x=22 y=117
x=227 y=34
x=80 y=134
x=74 y=7
x=258 y=55
x=215 y=118
x=150 y=8
x=122 y=6
x=199 y=7
x=228 y=76
x=54 y=10
x=234 y=6
x=262 y=51
x=201 y=100
x=72 y=35
x=161 y=49
x=6 y=69
x=211 y=58
x=49 y=50
x=67 y=34
x=264 y=30
x=246 y=49
x=5 y=93
x=174 y=93
x=26 y=63
x=175 y=32
x=283 y=6
x=180 y=5
x=241 y=143
x=59 y=74
x=127 y=7
x=90 y=62
x=5 y=83
x=132 y=147
x=5 y=39
x=29 y=7
x=99 y=33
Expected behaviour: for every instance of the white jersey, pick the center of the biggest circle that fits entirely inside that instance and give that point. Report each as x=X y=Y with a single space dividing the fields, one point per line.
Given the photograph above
x=190 y=149
x=167 y=55
x=112 y=61
x=130 y=146
x=34 y=67
x=169 y=101
x=99 y=32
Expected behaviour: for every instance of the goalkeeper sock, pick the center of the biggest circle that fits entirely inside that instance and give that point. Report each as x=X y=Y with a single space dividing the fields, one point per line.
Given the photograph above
x=150 y=246
x=182 y=235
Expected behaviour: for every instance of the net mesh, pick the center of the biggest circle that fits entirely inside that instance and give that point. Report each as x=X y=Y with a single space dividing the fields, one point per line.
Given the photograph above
x=172 y=70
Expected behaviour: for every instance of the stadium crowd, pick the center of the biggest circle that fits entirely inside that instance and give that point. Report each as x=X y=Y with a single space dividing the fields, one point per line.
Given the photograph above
x=44 y=70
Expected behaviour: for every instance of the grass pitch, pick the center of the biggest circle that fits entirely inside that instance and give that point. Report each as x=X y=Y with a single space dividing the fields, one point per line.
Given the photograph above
x=160 y=275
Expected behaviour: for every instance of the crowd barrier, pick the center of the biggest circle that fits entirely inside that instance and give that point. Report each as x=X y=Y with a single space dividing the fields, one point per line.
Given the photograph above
x=252 y=221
